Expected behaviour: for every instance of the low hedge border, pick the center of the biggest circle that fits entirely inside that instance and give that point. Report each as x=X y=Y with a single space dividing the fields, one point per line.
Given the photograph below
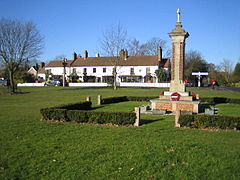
x=81 y=114
x=208 y=121
x=126 y=98
x=218 y=100
x=211 y=100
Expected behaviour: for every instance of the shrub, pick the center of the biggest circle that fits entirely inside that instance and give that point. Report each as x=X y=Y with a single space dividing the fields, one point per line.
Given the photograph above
x=76 y=106
x=208 y=121
x=126 y=98
x=114 y=100
x=54 y=114
x=80 y=114
x=186 y=120
x=218 y=100
x=140 y=98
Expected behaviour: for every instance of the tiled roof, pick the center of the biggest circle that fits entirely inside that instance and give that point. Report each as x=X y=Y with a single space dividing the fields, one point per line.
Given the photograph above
x=58 y=63
x=111 y=61
x=41 y=71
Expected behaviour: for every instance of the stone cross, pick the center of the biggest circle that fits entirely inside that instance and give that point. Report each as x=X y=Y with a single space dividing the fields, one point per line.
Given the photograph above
x=178 y=15
x=199 y=74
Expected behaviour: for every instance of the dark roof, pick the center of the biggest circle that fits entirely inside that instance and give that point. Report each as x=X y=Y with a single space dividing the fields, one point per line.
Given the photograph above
x=111 y=61
x=58 y=63
x=41 y=70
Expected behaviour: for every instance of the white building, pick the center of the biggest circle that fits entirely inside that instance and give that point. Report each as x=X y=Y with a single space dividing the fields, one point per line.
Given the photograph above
x=100 y=69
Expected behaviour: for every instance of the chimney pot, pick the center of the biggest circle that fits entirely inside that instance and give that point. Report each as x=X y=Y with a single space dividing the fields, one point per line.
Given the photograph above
x=74 y=56
x=42 y=65
x=159 y=53
x=85 y=54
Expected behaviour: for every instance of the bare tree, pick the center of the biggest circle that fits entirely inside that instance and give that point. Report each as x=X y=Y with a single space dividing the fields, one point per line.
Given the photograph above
x=60 y=57
x=135 y=48
x=194 y=62
x=226 y=66
x=148 y=48
x=19 y=42
x=113 y=40
x=153 y=43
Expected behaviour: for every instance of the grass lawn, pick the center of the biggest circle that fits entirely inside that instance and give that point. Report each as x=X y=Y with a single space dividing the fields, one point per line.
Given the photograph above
x=33 y=149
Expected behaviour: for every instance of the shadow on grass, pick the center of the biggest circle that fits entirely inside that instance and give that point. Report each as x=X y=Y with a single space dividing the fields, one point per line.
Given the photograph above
x=7 y=91
x=96 y=107
x=79 y=88
x=147 y=121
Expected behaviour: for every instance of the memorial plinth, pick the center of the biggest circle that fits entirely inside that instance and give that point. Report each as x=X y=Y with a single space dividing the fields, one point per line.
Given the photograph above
x=186 y=101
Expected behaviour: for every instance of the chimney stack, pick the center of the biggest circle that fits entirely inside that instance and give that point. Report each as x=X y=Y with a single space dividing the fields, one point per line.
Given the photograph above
x=85 y=54
x=42 y=65
x=123 y=54
x=74 y=56
x=159 y=53
x=97 y=55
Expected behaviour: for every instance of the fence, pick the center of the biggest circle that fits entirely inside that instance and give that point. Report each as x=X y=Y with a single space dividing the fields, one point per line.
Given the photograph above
x=30 y=84
x=159 y=85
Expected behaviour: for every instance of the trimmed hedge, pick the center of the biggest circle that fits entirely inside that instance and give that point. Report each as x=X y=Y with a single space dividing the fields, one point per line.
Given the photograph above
x=119 y=118
x=111 y=100
x=218 y=100
x=79 y=114
x=211 y=100
x=141 y=98
x=76 y=106
x=126 y=98
x=208 y=121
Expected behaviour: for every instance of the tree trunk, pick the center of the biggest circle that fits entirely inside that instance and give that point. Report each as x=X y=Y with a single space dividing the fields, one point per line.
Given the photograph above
x=114 y=80
x=11 y=79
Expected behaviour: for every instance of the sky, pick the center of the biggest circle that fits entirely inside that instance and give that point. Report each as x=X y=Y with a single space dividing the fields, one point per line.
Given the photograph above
x=77 y=25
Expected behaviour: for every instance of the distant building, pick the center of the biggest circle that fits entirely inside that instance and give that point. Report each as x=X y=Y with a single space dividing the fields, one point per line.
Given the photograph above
x=38 y=72
x=100 y=69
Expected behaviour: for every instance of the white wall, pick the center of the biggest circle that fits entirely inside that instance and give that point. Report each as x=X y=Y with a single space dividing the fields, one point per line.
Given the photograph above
x=30 y=84
x=121 y=71
x=159 y=85
x=162 y=85
x=88 y=84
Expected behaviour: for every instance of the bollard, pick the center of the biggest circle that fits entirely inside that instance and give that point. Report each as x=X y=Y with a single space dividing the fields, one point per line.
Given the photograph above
x=99 y=99
x=177 y=115
x=88 y=98
x=137 y=121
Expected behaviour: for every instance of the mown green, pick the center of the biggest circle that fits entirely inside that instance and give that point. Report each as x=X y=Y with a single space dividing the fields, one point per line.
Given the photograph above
x=34 y=149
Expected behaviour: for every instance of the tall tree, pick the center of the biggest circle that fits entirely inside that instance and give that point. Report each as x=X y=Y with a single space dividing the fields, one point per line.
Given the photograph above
x=236 y=72
x=194 y=62
x=226 y=66
x=135 y=48
x=20 y=42
x=152 y=44
x=148 y=48
x=112 y=41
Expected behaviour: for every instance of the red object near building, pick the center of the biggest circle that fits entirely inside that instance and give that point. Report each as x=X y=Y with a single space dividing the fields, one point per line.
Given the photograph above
x=213 y=82
x=186 y=82
x=175 y=96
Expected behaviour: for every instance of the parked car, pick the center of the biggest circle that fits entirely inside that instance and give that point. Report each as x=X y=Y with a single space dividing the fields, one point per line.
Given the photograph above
x=3 y=82
x=54 y=82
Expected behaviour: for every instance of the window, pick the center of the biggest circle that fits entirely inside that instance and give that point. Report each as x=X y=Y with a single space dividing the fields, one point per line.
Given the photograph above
x=148 y=70
x=74 y=71
x=104 y=70
x=132 y=70
x=84 y=70
x=94 y=70
x=48 y=71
